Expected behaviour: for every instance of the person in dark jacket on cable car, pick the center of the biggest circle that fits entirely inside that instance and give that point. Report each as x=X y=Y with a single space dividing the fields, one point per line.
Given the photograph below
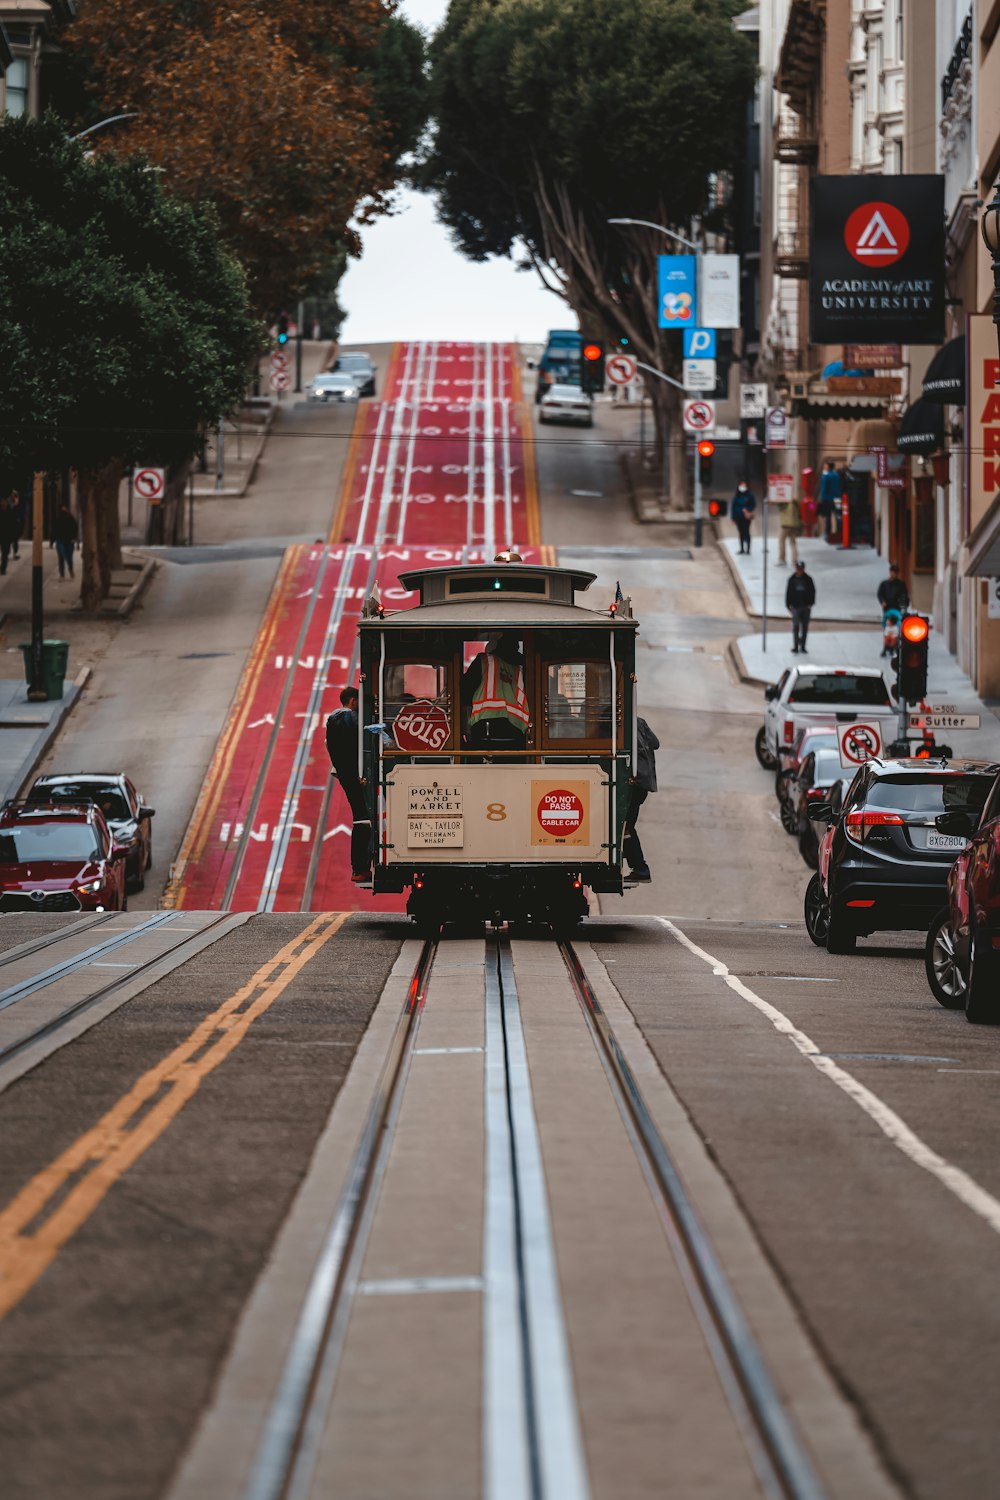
x=342 y=732
x=645 y=782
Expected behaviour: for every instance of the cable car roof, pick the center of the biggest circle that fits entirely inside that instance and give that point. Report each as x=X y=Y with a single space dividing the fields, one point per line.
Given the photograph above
x=500 y=594
x=490 y=613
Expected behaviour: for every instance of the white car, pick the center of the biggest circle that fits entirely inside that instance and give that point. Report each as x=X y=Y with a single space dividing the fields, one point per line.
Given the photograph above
x=333 y=388
x=566 y=403
x=813 y=692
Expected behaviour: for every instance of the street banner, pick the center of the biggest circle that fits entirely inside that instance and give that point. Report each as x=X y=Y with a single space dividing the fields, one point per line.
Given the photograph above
x=699 y=343
x=876 y=259
x=719 y=293
x=678 y=297
x=982 y=425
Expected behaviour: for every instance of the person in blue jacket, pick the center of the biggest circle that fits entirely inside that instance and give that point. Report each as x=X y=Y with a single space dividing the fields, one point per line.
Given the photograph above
x=742 y=510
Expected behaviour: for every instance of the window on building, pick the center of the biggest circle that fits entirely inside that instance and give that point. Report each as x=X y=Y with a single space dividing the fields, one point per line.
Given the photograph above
x=16 y=87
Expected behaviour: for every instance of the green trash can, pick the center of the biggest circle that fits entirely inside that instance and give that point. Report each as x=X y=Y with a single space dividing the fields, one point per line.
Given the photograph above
x=55 y=659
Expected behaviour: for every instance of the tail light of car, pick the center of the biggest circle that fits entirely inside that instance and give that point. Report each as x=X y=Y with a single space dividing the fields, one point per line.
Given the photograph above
x=858 y=825
x=789 y=731
x=816 y=793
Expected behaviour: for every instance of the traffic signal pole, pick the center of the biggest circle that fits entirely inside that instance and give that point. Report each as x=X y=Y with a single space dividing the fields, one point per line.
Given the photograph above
x=36 y=689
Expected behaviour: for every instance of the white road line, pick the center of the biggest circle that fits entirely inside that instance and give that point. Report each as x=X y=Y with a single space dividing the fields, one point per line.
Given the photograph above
x=411 y=450
x=470 y=489
x=404 y=1286
x=957 y=1182
x=489 y=462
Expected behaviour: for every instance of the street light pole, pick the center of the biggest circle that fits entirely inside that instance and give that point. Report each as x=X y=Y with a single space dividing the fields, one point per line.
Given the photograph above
x=690 y=245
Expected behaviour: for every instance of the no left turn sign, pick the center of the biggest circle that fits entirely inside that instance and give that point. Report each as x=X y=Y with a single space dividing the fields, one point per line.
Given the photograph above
x=699 y=416
x=858 y=743
x=621 y=368
x=149 y=485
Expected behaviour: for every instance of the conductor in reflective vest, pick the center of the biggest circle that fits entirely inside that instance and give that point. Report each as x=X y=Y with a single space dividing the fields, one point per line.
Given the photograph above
x=494 y=687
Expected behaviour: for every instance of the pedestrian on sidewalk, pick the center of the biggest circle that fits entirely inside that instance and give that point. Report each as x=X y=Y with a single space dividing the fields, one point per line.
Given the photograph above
x=831 y=493
x=789 y=527
x=800 y=596
x=645 y=782
x=10 y=530
x=342 y=733
x=742 y=510
x=66 y=536
x=892 y=591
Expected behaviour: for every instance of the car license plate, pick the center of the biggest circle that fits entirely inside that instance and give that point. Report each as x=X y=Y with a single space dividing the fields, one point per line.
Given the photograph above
x=944 y=841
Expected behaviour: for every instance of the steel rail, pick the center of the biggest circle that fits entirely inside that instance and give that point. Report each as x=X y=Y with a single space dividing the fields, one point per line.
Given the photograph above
x=789 y=1471
x=288 y=1448
x=16 y=992
x=55 y=1023
x=86 y=922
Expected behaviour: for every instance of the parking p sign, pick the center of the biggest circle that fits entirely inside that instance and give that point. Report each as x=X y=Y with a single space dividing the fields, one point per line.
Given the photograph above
x=699 y=343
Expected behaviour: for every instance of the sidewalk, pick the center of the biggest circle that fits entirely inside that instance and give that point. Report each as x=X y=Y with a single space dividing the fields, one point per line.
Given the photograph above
x=846 y=581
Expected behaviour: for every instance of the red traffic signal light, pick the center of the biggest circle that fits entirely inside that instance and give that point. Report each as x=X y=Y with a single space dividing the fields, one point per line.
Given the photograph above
x=592 y=353
x=715 y=508
x=706 y=448
x=914 y=628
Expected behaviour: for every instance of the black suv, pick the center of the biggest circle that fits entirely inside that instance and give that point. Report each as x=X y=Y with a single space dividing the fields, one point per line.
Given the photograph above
x=883 y=863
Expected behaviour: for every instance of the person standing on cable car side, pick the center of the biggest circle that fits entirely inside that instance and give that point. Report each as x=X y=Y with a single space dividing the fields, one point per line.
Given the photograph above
x=493 y=686
x=342 y=733
x=645 y=782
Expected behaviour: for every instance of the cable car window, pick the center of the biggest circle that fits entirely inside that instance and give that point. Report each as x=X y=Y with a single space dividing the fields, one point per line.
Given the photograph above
x=498 y=583
x=577 y=700
x=417 y=708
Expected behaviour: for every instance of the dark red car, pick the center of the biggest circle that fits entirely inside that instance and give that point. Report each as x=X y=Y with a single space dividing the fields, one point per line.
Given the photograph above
x=59 y=858
x=962 y=955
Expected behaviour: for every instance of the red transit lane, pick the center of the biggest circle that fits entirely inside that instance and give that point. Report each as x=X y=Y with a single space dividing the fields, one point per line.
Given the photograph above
x=441 y=470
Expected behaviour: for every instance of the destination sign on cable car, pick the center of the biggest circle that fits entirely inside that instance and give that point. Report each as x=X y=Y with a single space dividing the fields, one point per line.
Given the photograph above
x=434 y=817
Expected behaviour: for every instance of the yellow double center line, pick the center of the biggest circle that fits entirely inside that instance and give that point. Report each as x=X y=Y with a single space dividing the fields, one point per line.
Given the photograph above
x=58 y=1200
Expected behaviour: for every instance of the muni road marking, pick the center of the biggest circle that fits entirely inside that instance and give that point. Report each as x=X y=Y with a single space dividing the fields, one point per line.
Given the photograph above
x=64 y=1194
x=957 y=1182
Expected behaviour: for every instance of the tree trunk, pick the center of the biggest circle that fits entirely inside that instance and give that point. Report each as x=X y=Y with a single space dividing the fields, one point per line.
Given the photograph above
x=90 y=575
x=174 y=528
x=108 y=522
x=100 y=536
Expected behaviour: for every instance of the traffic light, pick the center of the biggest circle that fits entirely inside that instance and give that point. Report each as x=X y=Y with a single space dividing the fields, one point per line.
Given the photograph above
x=592 y=366
x=706 y=452
x=716 y=508
x=282 y=329
x=911 y=658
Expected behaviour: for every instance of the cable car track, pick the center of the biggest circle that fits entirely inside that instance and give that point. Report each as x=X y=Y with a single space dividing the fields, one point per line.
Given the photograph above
x=532 y=1443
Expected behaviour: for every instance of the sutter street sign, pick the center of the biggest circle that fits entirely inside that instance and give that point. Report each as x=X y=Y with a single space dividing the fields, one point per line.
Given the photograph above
x=876 y=260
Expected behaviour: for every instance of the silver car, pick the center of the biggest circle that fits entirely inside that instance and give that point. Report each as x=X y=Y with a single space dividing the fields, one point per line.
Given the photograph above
x=333 y=387
x=566 y=403
x=359 y=366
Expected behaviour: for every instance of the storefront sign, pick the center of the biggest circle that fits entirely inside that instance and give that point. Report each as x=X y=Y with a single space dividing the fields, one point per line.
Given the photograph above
x=876 y=263
x=983 y=417
x=678 y=297
x=872 y=356
x=864 y=385
x=560 y=812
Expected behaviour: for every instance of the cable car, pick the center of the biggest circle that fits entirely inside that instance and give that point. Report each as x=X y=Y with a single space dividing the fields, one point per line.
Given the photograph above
x=514 y=822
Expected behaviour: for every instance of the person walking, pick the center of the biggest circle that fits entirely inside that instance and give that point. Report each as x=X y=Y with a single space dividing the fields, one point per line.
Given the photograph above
x=10 y=530
x=800 y=596
x=742 y=510
x=645 y=782
x=66 y=536
x=789 y=527
x=892 y=591
x=342 y=732
x=831 y=493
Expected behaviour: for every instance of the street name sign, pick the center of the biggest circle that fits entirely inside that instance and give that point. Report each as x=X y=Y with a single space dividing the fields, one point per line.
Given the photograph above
x=943 y=716
x=699 y=375
x=859 y=742
x=699 y=416
x=621 y=369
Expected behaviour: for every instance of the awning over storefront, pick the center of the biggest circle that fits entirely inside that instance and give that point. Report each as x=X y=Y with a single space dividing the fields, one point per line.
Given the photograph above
x=944 y=382
x=818 y=402
x=877 y=433
x=922 y=428
x=983 y=547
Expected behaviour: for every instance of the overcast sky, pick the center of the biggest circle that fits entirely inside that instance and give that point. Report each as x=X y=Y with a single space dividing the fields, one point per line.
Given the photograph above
x=411 y=283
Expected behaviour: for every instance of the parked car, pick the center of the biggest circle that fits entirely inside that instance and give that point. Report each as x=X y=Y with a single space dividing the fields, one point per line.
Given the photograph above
x=333 y=387
x=361 y=369
x=962 y=955
x=819 y=773
x=810 y=737
x=810 y=692
x=59 y=857
x=883 y=864
x=125 y=811
x=567 y=403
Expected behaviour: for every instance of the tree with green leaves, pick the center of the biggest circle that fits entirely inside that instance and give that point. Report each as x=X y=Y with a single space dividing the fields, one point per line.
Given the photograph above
x=125 y=327
x=554 y=116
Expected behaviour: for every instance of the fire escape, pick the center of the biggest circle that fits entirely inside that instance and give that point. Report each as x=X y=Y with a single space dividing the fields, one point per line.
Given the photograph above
x=796 y=151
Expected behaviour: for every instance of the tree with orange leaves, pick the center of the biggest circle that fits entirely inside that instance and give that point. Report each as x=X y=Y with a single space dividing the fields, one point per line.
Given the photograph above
x=277 y=113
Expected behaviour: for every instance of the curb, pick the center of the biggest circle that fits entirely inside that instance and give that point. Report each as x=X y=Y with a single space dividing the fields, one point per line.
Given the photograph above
x=739 y=666
x=26 y=771
x=147 y=568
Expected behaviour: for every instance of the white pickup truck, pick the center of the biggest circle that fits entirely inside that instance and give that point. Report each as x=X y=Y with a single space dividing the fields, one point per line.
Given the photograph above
x=811 y=692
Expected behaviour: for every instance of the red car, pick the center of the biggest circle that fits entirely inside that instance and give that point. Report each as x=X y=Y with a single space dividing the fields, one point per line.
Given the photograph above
x=59 y=858
x=962 y=956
